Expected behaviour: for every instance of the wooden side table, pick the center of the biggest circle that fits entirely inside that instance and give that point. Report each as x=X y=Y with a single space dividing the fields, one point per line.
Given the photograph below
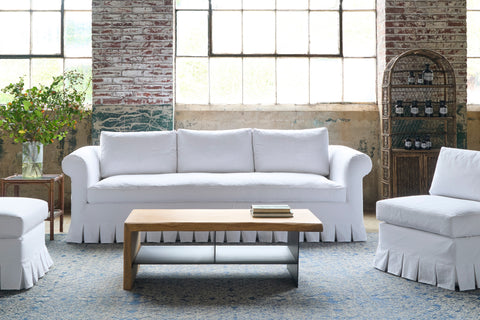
x=47 y=180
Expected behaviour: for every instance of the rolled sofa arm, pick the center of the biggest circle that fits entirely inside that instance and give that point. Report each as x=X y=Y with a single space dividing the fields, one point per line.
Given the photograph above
x=347 y=165
x=83 y=167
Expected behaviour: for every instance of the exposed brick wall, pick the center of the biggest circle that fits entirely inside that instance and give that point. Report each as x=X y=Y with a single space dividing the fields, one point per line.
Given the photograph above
x=132 y=63
x=436 y=25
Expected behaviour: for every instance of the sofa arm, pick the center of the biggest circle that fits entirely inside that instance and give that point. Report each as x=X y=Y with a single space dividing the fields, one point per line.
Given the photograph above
x=347 y=165
x=83 y=168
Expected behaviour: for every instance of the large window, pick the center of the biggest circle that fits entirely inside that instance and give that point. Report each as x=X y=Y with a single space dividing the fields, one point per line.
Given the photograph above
x=42 y=38
x=473 y=51
x=275 y=51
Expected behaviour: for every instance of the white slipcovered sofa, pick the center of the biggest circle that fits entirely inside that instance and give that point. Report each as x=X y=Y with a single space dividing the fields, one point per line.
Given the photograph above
x=215 y=169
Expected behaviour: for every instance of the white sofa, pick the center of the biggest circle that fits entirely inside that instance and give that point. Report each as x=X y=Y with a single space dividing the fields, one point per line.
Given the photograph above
x=215 y=169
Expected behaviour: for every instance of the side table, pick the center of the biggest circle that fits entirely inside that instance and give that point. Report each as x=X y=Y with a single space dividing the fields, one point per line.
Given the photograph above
x=48 y=180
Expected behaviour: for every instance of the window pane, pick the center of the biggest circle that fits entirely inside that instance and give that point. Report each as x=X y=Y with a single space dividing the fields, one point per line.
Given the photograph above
x=473 y=80
x=259 y=80
x=192 y=80
x=226 y=32
x=359 y=34
x=192 y=33
x=358 y=4
x=190 y=4
x=12 y=70
x=78 y=34
x=46 y=4
x=44 y=69
x=46 y=32
x=226 y=80
x=325 y=80
x=322 y=42
x=259 y=32
x=359 y=80
x=83 y=66
x=15 y=5
x=78 y=4
x=473 y=4
x=259 y=4
x=292 y=80
x=292 y=32
x=473 y=34
x=324 y=4
x=226 y=4
x=292 y=4
x=14 y=33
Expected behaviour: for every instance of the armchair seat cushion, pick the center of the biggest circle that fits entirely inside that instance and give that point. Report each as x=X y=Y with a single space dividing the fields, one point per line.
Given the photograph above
x=216 y=187
x=446 y=216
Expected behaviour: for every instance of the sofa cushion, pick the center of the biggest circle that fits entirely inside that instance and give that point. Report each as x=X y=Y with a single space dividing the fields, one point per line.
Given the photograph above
x=137 y=152
x=215 y=151
x=19 y=215
x=442 y=215
x=291 y=150
x=216 y=187
x=457 y=174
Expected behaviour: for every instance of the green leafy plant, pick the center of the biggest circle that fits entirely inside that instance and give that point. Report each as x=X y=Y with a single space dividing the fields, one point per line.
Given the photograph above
x=44 y=113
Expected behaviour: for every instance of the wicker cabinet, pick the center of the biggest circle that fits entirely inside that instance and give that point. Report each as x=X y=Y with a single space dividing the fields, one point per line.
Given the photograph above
x=410 y=172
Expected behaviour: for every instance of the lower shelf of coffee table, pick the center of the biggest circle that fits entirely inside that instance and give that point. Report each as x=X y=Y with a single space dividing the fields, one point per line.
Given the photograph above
x=215 y=254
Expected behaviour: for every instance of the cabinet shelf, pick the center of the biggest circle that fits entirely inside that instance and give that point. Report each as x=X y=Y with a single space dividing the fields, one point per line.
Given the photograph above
x=409 y=172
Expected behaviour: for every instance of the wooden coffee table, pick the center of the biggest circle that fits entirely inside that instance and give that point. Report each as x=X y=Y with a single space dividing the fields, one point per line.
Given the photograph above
x=212 y=253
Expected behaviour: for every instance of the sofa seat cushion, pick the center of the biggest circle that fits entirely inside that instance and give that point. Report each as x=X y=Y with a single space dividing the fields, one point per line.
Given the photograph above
x=20 y=215
x=216 y=187
x=446 y=216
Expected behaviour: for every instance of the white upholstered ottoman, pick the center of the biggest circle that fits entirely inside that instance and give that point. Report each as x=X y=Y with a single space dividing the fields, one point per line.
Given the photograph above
x=23 y=255
x=435 y=239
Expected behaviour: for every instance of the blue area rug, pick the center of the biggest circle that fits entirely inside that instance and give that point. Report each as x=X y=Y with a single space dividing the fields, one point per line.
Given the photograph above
x=337 y=281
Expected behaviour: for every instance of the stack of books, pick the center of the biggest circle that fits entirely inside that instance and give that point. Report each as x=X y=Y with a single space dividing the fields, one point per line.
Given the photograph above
x=271 y=211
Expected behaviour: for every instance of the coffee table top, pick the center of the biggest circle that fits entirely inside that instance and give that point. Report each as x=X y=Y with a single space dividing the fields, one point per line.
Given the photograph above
x=218 y=220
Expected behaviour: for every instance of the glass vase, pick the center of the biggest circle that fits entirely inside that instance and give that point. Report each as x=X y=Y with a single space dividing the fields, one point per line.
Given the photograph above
x=32 y=159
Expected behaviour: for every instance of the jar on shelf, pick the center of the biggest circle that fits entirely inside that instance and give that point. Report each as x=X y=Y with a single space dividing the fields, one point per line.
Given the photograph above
x=428 y=108
x=411 y=78
x=443 y=109
x=398 y=109
x=427 y=75
x=414 y=108
x=408 y=144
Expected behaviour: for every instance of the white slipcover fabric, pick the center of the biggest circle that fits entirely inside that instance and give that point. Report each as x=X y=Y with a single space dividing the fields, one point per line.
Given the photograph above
x=291 y=150
x=103 y=221
x=24 y=257
x=457 y=174
x=215 y=151
x=19 y=215
x=211 y=187
x=137 y=152
x=442 y=215
x=428 y=257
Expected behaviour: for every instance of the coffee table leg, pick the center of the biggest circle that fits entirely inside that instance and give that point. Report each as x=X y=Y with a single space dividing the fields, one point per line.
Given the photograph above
x=293 y=245
x=131 y=245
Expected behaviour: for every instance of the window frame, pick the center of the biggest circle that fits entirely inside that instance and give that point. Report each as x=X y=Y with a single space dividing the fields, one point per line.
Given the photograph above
x=62 y=35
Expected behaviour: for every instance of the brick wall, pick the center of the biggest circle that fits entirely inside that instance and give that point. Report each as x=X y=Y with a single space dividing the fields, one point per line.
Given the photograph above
x=436 y=25
x=132 y=65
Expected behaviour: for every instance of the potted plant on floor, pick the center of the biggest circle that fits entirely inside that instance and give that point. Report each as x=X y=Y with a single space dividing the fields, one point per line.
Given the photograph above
x=42 y=114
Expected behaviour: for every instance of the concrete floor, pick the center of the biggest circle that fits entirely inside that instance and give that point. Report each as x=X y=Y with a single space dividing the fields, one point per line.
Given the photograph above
x=371 y=223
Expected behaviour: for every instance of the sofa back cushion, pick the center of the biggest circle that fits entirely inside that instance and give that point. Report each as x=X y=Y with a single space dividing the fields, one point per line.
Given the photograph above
x=137 y=152
x=215 y=151
x=457 y=174
x=291 y=151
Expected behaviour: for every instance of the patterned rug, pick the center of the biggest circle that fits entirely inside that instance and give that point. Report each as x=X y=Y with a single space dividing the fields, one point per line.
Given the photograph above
x=337 y=281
